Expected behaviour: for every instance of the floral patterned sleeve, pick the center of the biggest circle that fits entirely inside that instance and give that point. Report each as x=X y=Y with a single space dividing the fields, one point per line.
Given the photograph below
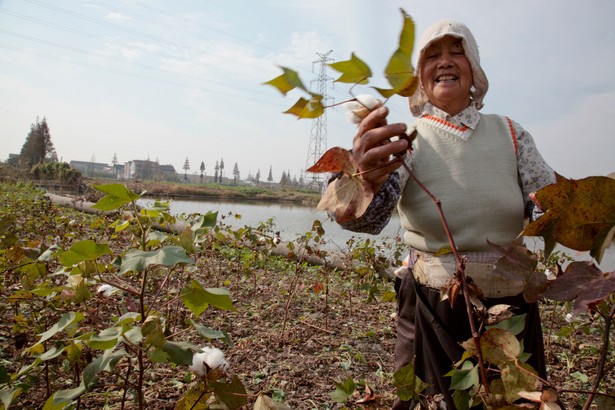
x=378 y=214
x=534 y=172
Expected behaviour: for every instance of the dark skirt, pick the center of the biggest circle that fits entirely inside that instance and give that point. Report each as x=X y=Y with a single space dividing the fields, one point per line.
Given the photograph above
x=439 y=330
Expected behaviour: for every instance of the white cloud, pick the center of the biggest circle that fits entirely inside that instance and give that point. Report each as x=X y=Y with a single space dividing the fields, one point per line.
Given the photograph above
x=117 y=16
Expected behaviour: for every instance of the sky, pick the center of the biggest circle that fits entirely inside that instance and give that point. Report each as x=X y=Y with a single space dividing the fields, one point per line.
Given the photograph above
x=184 y=79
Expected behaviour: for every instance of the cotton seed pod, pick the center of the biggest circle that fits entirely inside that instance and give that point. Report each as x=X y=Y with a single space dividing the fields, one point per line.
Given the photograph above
x=362 y=106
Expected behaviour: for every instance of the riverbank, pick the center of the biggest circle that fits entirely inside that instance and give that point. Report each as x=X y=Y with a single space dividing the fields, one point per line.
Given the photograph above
x=177 y=190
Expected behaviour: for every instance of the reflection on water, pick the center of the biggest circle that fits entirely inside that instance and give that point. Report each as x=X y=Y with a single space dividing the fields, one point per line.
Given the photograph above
x=294 y=220
x=291 y=220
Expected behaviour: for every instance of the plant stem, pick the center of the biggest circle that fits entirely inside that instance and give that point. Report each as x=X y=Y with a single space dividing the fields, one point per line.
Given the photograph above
x=460 y=273
x=608 y=320
x=160 y=288
x=126 y=385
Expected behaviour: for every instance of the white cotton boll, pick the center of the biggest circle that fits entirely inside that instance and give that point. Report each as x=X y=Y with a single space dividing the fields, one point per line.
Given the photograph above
x=208 y=357
x=570 y=317
x=550 y=275
x=364 y=105
x=107 y=290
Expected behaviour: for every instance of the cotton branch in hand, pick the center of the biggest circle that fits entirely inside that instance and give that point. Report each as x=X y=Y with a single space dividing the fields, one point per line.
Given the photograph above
x=361 y=106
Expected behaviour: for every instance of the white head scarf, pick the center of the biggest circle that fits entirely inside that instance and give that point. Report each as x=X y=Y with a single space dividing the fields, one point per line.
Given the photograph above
x=451 y=28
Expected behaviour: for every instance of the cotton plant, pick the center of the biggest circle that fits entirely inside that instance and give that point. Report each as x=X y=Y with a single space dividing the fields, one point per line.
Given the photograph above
x=209 y=362
x=107 y=290
x=361 y=106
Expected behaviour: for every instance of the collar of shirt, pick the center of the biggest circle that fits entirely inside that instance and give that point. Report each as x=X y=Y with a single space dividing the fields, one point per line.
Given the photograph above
x=468 y=117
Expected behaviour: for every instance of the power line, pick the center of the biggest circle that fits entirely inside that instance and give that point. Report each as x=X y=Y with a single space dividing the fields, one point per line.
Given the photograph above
x=93 y=20
x=137 y=64
x=131 y=74
x=117 y=43
x=318 y=134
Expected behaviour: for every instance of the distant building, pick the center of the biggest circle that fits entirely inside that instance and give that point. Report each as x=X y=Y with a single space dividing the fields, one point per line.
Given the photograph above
x=146 y=169
x=91 y=169
x=118 y=171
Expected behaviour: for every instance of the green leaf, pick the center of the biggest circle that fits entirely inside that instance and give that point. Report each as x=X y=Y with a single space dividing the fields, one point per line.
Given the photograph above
x=52 y=353
x=196 y=298
x=121 y=226
x=311 y=108
x=517 y=378
x=179 y=352
x=287 y=81
x=208 y=220
x=159 y=356
x=103 y=363
x=107 y=339
x=399 y=71
x=66 y=320
x=9 y=394
x=128 y=318
x=343 y=391
x=232 y=394
x=354 y=71
x=499 y=346
x=514 y=325
x=405 y=382
x=186 y=240
x=133 y=336
x=86 y=250
x=152 y=331
x=462 y=399
x=61 y=397
x=4 y=375
x=466 y=377
x=209 y=333
x=138 y=261
x=117 y=196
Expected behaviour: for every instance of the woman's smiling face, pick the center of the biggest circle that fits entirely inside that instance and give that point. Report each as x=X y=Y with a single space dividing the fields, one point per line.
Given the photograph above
x=446 y=75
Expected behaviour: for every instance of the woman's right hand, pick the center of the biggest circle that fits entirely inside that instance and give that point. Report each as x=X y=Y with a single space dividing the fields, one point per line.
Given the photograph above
x=372 y=148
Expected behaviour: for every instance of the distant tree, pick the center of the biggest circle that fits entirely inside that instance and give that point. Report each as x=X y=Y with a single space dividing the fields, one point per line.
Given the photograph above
x=38 y=145
x=235 y=174
x=221 y=169
x=270 y=177
x=257 y=177
x=202 y=169
x=91 y=166
x=217 y=168
x=186 y=168
x=284 y=179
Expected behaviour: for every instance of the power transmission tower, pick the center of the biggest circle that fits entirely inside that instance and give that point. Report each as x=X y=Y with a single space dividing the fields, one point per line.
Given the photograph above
x=318 y=134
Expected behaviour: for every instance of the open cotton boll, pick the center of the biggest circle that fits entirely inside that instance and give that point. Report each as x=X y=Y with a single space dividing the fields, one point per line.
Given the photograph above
x=107 y=290
x=364 y=104
x=208 y=358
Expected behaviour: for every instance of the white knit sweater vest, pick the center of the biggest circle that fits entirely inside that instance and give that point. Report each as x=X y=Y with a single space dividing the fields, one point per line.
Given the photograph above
x=475 y=180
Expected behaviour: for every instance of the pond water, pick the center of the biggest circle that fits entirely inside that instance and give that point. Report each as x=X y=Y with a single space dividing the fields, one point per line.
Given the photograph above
x=292 y=221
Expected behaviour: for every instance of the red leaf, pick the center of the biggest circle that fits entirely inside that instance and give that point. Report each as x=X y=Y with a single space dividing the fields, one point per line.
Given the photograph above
x=582 y=282
x=347 y=198
x=335 y=159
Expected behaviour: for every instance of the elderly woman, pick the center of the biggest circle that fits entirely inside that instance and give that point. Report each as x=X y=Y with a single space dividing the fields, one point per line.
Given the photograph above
x=483 y=168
